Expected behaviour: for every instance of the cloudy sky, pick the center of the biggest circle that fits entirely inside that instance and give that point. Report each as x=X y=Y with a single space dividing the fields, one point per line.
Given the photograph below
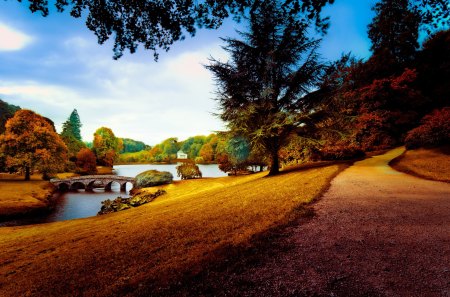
x=52 y=65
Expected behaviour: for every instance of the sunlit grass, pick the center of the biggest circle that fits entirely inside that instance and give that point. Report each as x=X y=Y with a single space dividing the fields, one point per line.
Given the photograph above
x=64 y=175
x=427 y=163
x=104 y=170
x=18 y=196
x=158 y=241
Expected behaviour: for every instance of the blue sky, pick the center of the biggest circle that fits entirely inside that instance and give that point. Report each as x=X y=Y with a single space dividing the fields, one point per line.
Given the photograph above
x=54 y=64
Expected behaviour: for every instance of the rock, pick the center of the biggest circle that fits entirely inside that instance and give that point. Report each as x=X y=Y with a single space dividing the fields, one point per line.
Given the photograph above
x=120 y=203
x=153 y=178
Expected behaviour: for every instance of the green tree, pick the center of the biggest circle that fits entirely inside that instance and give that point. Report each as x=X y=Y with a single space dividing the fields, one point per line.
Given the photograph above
x=169 y=148
x=132 y=146
x=106 y=146
x=261 y=88
x=6 y=112
x=394 y=32
x=235 y=156
x=71 y=134
x=193 y=145
x=73 y=126
x=31 y=143
x=157 y=24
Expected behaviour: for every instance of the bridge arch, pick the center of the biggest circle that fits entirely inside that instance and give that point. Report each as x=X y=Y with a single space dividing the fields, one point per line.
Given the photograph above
x=78 y=185
x=94 y=184
x=89 y=182
x=125 y=185
x=110 y=185
x=63 y=187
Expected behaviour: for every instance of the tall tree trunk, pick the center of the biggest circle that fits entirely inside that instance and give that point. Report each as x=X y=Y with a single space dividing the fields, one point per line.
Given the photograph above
x=27 y=173
x=275 y=166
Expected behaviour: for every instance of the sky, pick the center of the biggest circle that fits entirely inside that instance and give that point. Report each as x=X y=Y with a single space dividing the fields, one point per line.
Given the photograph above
x=53 y=65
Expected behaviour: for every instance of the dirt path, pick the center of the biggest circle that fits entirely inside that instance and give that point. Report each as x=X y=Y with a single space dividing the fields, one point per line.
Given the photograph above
x=376 y=232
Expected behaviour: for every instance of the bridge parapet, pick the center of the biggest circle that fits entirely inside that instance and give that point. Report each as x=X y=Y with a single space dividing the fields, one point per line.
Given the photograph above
x=91 y=181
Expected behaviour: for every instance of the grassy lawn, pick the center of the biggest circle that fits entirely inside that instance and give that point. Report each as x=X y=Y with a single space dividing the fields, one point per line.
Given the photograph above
x=431 y=164
x=19 y=197
x=155 y=243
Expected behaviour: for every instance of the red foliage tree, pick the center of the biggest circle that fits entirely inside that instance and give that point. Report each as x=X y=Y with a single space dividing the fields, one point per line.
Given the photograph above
x=86 y=161
x=434 y=131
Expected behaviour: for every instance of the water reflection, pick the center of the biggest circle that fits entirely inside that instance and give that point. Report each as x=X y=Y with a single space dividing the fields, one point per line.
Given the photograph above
x=209 y=170
x=81 y=203
x=73 y=205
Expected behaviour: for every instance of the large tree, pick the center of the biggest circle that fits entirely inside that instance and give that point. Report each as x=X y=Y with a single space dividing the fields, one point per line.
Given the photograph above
x=394 y=31
x=73 y=125
x=106 y=146
x=31 y=143
x=261 y=89
x=156 y=24
x=71 y=134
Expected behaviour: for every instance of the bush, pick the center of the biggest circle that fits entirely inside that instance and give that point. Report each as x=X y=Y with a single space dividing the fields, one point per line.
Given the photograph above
x=434 y=131
x=119 y=204
x=188 y=171
x=340 y=150
x=153 y=178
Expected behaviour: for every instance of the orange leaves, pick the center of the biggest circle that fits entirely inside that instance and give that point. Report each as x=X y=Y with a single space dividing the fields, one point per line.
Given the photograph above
x=86 y=161
x=106 y=146
x=30 y=141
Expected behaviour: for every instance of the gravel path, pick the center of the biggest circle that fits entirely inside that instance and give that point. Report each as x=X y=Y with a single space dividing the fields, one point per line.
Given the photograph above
x=376 y=232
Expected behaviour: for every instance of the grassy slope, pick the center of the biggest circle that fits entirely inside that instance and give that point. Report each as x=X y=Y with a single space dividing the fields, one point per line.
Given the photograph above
x=431 y=164
x=155 y=242
x=18 y=196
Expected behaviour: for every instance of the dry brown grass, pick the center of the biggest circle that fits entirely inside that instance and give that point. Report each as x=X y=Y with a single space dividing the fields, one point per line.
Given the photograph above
x=157 y=242
x=64 y=175
x=431 y=164
x=103 y=170
x=18 y=196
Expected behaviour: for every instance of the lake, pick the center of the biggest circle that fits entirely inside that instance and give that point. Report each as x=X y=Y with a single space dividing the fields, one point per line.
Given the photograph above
x=81 y=204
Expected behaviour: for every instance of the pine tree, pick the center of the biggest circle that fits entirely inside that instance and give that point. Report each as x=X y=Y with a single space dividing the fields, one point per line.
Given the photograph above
x=71 y=134
x=394 y=31
x=262 y=87
x=74 y=119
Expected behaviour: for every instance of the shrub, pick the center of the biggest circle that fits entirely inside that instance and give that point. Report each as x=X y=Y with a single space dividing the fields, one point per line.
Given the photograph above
x=153 y=178
x=340 y=150
x=119 y=204
x=434 y=131
x=188 y=171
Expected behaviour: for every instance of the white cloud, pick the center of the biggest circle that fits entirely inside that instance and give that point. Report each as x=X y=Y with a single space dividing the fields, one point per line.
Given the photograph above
x=11 y=39
x=134 y=96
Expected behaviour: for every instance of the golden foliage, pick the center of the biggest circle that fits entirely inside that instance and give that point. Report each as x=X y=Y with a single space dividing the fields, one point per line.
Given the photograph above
x=31 y=143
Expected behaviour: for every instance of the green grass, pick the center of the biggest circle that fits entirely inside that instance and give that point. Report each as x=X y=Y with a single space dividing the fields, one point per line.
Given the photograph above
x=157 y=242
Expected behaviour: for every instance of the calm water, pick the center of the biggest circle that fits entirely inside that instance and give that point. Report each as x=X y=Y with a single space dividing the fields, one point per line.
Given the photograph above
x=211 y=170
x=81 y=204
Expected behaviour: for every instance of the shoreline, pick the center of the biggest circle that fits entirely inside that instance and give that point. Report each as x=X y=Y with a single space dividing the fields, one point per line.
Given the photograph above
x=42 y=199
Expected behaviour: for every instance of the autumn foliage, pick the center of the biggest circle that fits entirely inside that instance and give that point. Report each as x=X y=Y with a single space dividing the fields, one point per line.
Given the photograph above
x=434 y=130
x=188 y=170
x=86 y=161
x=30 y=143
x=106 y=146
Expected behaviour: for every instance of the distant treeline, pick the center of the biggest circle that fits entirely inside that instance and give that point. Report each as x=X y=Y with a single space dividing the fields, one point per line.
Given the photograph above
x=201 y=149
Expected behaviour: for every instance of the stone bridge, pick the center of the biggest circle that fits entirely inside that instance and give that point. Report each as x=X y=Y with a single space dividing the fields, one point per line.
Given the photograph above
x=89 y=182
